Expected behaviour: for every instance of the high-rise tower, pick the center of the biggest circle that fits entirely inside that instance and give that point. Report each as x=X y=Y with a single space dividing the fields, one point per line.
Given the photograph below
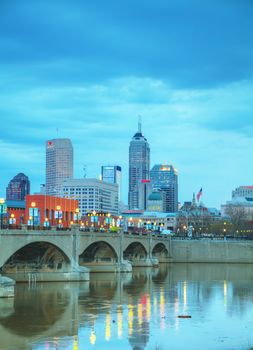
x=139 y=165
x=18 y=188
x=165 y=178
x=59 y=164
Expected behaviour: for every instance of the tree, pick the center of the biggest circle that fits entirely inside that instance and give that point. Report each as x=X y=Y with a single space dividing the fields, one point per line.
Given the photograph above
x=237 y=215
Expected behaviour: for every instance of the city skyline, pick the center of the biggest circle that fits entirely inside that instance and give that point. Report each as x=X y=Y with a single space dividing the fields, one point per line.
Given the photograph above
x=88 y=70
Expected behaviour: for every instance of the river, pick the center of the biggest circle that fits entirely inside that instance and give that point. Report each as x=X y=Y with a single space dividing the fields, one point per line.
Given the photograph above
x=135 y=311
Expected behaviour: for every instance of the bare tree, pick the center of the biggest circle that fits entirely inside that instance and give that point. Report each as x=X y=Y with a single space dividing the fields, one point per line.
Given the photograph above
x=237 y=215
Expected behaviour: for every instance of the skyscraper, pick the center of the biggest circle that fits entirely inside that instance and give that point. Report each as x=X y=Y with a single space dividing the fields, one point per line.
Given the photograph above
x=18 y=188
x=59 y=164
x=139 y=165
x=165 y=178
x=112 y=174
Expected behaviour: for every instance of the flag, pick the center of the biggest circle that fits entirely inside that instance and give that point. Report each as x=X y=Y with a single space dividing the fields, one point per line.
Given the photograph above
x=199 y=194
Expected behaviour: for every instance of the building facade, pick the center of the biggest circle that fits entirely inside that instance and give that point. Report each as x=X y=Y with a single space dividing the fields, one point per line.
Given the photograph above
x=155 y=202
x=165 y=179
x=18 y=188
x=145 y=189
x=242 y=200
x=59 y=164
x=43 y=210
x=243 y=192
x=139 y=167
x=112 y=175
x=93 y=195
x=151 y=221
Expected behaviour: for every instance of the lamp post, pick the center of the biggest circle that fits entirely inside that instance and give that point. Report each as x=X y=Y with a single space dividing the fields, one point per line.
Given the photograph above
x=108 y=219
x=225 y=229
x=140 y=225
x=46 y=223
x=77 y=213
x=58 y=208
x=12 y=219
x=2 y=201
x=94 y=218
x=130 y=223
x=33 y=205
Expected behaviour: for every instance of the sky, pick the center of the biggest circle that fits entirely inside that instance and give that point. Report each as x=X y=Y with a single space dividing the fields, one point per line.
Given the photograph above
x=85 y=69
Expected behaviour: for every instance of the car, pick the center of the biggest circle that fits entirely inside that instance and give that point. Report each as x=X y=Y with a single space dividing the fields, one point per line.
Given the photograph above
x=167 y=232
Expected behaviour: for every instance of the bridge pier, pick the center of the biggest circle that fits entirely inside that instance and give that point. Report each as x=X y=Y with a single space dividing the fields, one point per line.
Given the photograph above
x=54 y=255
x=82 y=273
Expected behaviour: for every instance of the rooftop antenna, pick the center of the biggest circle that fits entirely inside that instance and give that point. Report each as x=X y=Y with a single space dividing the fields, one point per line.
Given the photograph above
x=139 y=123
x=57 y=132
x=84 y=171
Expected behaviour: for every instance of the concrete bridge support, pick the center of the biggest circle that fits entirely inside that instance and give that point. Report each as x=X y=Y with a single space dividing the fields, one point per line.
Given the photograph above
x=28 y=255
x=39 y=257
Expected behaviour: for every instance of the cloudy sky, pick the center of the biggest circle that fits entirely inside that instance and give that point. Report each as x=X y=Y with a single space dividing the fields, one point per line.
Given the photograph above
x=88 y=68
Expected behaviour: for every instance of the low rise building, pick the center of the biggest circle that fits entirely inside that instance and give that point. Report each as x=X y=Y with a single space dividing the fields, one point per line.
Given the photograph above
x=92 y=195
x=43 y=210
x=144 y=220
x=242 y=199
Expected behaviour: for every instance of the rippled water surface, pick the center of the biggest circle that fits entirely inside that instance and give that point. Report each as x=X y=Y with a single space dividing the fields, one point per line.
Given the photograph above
x=135 y=311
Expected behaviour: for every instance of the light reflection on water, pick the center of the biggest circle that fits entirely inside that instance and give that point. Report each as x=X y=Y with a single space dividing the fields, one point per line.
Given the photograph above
x=135 y=311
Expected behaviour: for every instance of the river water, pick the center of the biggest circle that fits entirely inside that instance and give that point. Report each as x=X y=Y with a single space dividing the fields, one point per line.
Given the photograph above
x=135 y=311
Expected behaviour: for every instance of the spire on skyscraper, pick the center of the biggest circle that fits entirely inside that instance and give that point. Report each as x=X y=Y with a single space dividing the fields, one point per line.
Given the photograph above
x=139 y=123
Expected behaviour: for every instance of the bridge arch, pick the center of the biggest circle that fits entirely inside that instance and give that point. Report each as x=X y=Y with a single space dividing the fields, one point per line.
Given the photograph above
x=135 y=251
x=35 y=256
x=160 y=252
x=99 y=251
x=10 y=245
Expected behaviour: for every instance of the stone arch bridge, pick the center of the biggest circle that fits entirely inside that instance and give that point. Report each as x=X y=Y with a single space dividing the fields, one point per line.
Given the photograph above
x=70 y=255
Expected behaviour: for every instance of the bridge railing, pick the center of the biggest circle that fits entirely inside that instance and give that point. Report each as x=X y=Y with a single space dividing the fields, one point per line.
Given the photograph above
x=214 y=238
x=11 y=227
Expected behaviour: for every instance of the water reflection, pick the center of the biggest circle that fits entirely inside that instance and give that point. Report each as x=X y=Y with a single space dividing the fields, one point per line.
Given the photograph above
x=135 y=311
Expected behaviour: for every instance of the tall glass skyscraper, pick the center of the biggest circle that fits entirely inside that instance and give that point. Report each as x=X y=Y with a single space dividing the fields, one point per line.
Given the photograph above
x=165 y=178
x=59 y=164
x=18 y=188
x=139 y=166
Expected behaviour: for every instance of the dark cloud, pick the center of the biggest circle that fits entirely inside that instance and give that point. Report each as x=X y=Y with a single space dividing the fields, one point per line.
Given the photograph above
x=88 y=68
x=197 y=43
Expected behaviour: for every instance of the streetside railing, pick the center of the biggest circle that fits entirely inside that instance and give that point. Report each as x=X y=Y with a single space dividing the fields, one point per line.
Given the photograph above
x=140 y=233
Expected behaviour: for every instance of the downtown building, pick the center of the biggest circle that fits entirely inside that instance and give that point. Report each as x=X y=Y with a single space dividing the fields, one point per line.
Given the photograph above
x=139 y=166
x=112 y=175
x=18 y=188
x=242 y=199
x=59 y=164
x=92 y=195
x=164 y=178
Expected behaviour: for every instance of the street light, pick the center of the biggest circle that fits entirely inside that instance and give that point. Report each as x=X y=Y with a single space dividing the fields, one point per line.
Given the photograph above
x=130 y=223
x=33 y=205
x=2 y=201
x=46 y=223
x=95 y=218
x=119 y=222
x=77 y=213
x=108 y=220
x=12 y=219
x=58 y=208
x=140 y=225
